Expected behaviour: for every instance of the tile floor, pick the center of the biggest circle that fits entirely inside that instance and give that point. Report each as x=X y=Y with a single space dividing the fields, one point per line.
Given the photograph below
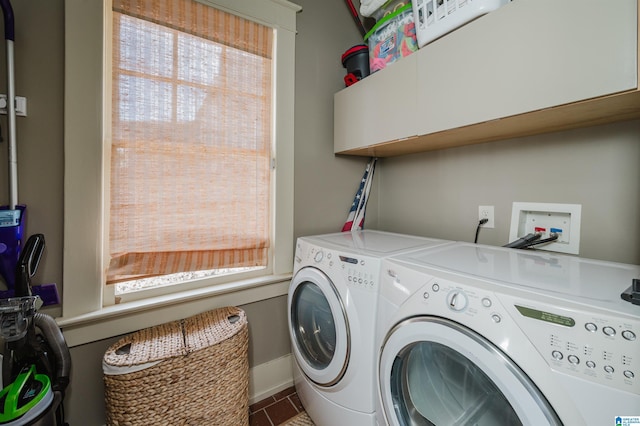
x=276 y=409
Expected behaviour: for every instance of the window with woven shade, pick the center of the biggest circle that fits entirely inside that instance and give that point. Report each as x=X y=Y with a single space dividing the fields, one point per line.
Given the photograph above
x=211 y=100
x=190 y=185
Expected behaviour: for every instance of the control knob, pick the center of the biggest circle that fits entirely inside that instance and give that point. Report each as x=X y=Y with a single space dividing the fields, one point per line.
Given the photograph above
x=457 y=300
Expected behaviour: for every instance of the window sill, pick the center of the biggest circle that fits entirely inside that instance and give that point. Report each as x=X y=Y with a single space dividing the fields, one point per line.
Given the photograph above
x=124 y=318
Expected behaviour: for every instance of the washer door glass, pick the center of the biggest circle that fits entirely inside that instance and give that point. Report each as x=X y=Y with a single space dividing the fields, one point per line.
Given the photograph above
x=318 y=326
x=436 y=372
x=315 y=331
x=434 y=385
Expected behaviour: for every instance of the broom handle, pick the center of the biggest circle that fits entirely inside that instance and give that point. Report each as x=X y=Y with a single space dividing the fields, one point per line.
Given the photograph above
x=9 y=35
x=356 y=17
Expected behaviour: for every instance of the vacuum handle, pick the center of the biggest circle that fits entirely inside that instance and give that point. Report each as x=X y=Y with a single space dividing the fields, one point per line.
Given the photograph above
x=28 y=264
x=32 y=253
x=7 y=11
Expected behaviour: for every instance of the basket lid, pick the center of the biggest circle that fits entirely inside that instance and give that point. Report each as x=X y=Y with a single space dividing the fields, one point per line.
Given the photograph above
x=212 y=327
x=145 y=348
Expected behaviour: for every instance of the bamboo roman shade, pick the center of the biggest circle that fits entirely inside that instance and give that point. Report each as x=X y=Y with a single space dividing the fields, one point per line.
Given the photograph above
x=191 y=139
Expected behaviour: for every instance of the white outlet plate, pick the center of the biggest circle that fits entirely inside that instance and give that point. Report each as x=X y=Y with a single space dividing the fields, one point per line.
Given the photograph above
x=21 y=105
x=486 y=212
x=527 y=217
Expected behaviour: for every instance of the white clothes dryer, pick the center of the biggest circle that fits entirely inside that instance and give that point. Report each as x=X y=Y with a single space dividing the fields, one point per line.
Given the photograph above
x=332 y=309
x=480 y=335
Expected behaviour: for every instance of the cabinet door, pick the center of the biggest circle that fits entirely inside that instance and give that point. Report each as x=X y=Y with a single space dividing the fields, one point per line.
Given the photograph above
x=379 y=108
x=526 y=56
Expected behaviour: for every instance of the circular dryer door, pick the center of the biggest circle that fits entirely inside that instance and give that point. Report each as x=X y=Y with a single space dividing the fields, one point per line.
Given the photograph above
x=436 y=372
x=318 y=326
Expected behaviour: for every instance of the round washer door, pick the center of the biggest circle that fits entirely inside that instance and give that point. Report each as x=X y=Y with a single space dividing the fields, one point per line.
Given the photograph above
x=436 y=372
x=318 y=327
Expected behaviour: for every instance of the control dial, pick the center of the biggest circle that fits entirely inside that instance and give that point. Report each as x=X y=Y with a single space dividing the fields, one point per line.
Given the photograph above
x=457 y=300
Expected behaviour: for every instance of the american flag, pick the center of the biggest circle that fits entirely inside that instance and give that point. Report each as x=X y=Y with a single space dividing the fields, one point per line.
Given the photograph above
x=355 y=219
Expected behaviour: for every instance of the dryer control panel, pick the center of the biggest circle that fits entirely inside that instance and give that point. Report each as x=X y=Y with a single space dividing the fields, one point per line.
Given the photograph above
x=355 y=270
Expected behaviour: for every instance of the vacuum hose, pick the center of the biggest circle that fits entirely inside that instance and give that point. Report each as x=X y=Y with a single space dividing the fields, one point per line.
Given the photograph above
x=55 y=339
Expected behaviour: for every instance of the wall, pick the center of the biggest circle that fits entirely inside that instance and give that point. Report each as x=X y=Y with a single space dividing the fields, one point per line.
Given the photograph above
x=324 y=184
x=324 y=189
x=434 y=194
x=438 y=193
x=39 y=76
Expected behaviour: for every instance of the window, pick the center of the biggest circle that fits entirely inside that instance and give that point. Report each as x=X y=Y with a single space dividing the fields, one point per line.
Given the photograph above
x=190 y=142
x=176 y=96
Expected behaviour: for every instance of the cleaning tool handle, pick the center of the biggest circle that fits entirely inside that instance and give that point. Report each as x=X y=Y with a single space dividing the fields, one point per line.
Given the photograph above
x=9 y=35
x=28 y=264
x=356 y=17
x=7 y=11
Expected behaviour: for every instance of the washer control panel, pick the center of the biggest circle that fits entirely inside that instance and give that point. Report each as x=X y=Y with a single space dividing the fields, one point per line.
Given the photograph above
x=592 y=345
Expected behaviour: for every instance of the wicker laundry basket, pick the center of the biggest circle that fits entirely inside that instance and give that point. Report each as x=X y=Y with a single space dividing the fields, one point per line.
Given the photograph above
x=189 y=372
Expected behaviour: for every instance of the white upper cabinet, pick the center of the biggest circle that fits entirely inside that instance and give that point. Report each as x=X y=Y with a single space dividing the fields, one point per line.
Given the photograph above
x=383 y=98
x=530 y=67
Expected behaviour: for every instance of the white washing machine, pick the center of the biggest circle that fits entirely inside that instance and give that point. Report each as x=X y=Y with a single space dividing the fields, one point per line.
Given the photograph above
x=332 y=310
x=480 y=335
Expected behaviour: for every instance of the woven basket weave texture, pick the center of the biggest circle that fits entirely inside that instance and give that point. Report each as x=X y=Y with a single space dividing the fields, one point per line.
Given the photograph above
x=200 y=375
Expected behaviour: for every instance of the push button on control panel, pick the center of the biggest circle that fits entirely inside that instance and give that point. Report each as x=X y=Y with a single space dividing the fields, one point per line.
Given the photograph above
x=609 y=331
x=629 y=335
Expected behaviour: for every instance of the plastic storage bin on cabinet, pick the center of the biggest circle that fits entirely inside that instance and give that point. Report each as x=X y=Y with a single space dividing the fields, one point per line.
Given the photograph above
x=388 y=8
x=392 y=38
x=193 y=371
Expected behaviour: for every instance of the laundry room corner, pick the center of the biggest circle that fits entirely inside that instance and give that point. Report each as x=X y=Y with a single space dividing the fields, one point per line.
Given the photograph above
x=325 y=184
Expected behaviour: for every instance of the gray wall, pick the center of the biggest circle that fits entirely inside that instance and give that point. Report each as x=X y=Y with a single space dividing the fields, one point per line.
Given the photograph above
x=438 y=193
x=39 y=69
x=324 y=184
x=324 y=189
x=434 y=194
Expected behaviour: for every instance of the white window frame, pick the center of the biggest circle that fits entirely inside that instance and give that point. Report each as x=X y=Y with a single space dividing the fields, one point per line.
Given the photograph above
x=85 y=314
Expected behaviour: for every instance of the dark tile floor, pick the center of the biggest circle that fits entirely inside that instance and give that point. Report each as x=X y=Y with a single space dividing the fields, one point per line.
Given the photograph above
x=276 y=409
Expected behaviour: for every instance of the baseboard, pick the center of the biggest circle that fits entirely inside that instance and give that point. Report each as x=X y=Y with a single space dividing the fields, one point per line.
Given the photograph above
x=270 y=378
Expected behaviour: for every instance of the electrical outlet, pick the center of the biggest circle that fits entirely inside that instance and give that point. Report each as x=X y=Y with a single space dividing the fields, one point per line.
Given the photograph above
x=486 y=212
x=21 y=105
x=545 y=219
